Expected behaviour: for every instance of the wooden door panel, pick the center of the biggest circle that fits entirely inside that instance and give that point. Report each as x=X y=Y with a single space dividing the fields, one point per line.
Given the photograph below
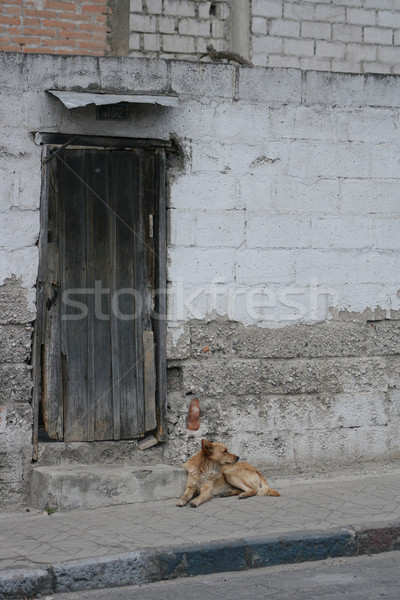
x=101 y=326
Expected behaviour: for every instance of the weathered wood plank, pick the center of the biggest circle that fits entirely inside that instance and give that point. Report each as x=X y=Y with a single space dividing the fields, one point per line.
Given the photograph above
x=74 y=307
x=149 y=374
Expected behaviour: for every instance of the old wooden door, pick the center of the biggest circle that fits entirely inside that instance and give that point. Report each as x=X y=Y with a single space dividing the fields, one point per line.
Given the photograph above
x=100 y=352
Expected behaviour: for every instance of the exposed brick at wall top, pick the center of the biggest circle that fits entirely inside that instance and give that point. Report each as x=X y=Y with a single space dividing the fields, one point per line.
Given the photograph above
x=54 y=26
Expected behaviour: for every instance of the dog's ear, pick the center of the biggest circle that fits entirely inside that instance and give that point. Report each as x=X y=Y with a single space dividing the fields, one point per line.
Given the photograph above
x=206 y=446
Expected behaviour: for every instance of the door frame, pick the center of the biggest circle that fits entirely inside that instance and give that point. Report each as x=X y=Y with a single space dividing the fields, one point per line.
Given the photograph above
x=51 y=144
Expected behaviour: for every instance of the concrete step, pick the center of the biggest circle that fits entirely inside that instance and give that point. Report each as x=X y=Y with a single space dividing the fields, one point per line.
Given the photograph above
x=67 y=487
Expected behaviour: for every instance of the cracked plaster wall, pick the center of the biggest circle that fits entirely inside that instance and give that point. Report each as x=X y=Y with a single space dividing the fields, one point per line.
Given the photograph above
x=283 y=268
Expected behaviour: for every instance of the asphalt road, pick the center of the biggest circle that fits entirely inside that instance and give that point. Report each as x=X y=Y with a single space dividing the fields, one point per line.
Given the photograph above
x=374 y=577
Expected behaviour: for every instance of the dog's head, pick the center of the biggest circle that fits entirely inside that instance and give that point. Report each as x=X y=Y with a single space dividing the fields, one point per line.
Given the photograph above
x=218 y=453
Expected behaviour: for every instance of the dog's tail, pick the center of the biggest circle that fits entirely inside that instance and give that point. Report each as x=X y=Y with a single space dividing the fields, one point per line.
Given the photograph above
x=264 y=489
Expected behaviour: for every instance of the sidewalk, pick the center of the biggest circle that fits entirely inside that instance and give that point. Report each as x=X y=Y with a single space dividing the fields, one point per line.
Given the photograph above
x=138 y=543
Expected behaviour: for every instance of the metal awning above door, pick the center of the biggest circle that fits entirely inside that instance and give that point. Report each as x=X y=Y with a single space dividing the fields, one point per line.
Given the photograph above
x=77 y=99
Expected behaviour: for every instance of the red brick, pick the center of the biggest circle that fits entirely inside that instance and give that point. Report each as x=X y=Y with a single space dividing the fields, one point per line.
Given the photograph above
x=41 y=14
x=42 y=32
x=9 y=48
x=38 y=50
x=30 y=22
x=9 y=20
x=101 y=19
x=59 y=6
x=13 y=10
x=194 y=415
x=95 y=9
x=54 y=42
x=91 y=44
x=23 y=40
x=91 y=27
x=74 y=35
x=58 y=24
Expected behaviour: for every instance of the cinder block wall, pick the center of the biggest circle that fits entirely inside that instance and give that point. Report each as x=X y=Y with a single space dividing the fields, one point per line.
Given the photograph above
x=177 y=28
x=355 y=36
x=283 y=254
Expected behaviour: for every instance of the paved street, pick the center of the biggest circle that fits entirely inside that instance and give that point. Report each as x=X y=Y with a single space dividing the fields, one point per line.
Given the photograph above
x=33 y=539
x=139 y=543
x=360 y=578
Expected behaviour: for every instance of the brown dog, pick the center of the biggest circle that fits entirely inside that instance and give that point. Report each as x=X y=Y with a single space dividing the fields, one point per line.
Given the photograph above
x=213 y=470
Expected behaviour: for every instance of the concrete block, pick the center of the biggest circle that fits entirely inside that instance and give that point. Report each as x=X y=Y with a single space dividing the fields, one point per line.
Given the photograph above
x=377 y=267
x=318 y=159
x=384 y=338
x=133 y=75
x=267 y=45
x=343 y=232
x=358 y=125
x=277 y=231
x=297 y=196
x=259 y=266
x=298 y=12
x=194 y=27
x=299 y=47
x=16 y=383
x=211 y=228
x=361 y=52
x=314 y=124
x=384 y=160
x=266 y=8
x=315 y=63
x=198 y=79
x=376 y=35
x=389 y=54
x=273 y=87
x=12 y=71
x=180 y=8
x=381 y=197
x=154 y=7
x=320 y=31
x=361 y=16
x=151 y=42
x=387 y=233
x=210 y=192
x=388 y=18
x=328 y=267
x=284 y=28
x=89 y=486
x=142 y=23
x=255 y=193
x=15 y=343
x=46 y=72
x=258 y=26
x=178 y=44
x=206 y=265
x=347 y=33
x=286 y=62
x=330 y=49
x=19 y=229
x=350 y=90
x=330 y=14
x=166 y=24
x=14 y=302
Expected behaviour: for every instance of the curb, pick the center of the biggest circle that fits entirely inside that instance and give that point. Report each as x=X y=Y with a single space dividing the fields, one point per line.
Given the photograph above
x=149 y=565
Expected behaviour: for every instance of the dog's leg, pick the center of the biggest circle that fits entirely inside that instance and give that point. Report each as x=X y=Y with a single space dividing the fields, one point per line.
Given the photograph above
x=206 y=493
x=244 y=490
x=189 y=492
x=228 y=493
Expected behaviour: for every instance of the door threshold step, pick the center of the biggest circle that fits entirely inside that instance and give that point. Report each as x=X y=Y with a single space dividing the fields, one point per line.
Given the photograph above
x=68 y=487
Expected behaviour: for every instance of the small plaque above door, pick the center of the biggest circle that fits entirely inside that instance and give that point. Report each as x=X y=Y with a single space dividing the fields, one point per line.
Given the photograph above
x=113 y=112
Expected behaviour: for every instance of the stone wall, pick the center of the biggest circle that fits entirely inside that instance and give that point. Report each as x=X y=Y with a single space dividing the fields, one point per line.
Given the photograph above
x=283 y=253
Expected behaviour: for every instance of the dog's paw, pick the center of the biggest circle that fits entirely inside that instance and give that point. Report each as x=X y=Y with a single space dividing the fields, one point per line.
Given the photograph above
x=181 y=503
x=194 y=503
